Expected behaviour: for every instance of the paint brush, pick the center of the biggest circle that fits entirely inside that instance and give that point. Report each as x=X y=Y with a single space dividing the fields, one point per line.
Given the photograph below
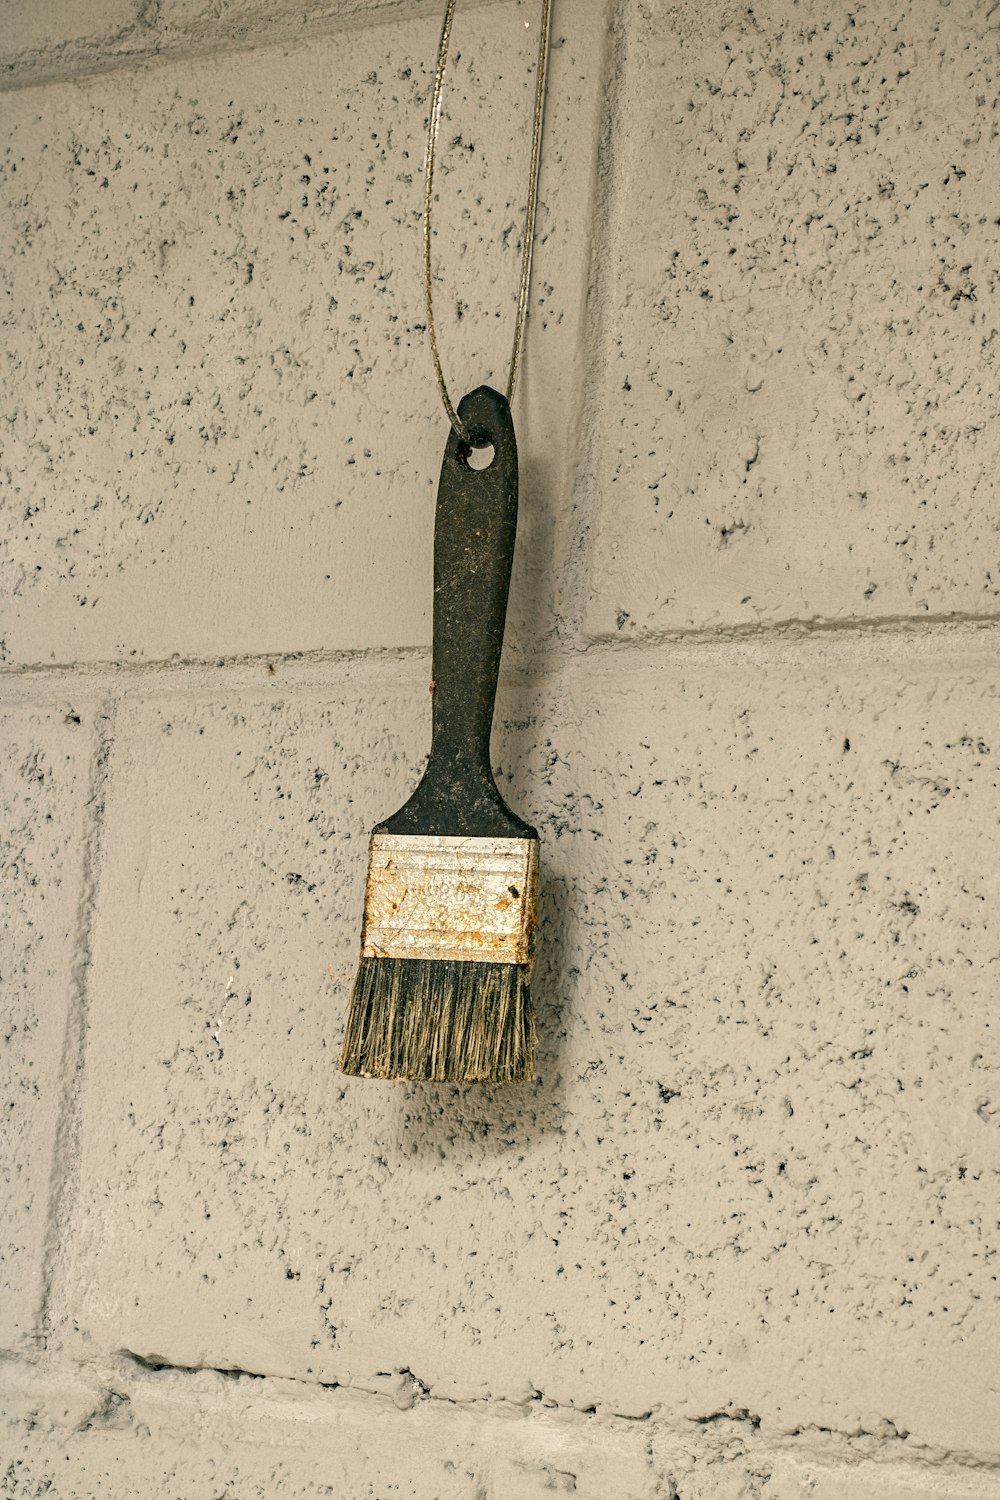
x=442 y=992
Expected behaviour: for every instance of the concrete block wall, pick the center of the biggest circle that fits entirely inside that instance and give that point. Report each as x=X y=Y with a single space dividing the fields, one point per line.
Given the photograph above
x=741 y=1238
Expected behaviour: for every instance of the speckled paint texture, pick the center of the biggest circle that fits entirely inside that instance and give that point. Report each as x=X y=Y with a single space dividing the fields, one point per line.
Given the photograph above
x=800 y=331
x=740 y=1240
x=223 y=267
x=792 y=1010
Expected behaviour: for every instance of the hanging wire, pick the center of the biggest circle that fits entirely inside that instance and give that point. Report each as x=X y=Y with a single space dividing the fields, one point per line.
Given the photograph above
x=433 y=129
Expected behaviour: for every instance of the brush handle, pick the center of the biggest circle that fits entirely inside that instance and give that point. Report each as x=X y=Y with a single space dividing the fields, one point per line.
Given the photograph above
x=474 y=533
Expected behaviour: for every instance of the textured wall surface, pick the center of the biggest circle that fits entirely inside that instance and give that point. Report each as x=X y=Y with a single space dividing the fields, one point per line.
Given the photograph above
x=222 y=263
x=740 y=1240
x=801 y=348
x=47 y=878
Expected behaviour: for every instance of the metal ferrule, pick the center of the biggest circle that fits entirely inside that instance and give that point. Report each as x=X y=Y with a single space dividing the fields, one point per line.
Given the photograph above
x=433 y=897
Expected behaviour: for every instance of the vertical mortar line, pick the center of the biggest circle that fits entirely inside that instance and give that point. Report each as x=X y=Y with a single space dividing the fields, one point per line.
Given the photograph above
x=64 y=1178
x=606 y=195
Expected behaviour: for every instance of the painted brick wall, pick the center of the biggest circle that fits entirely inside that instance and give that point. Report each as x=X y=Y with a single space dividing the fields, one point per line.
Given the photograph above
x=741 y=1238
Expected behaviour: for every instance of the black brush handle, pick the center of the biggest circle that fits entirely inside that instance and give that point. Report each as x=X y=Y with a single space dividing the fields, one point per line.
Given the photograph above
x=474 y=533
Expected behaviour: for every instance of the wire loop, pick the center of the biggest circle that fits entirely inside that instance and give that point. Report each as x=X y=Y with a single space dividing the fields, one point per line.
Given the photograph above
x=433 y=129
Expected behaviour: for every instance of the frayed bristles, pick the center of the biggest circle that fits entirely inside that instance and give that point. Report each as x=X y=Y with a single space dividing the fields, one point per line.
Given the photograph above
x=440 y=1021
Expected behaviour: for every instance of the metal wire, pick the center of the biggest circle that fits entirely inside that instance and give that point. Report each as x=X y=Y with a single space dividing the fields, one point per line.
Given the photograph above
x=433 y=128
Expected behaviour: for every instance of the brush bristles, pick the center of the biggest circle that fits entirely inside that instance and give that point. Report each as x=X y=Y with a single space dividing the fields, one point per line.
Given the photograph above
x=440 y=1021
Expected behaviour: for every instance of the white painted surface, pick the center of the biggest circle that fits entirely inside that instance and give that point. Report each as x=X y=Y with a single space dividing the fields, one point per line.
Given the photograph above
x=740 y=1240
x=221 y=437
x=800 y=318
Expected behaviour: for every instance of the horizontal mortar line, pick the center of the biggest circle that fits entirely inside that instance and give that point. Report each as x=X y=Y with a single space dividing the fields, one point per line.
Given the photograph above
x=143 y=1367
x=795 y=628
x=263 y=661
x=143 y=47
x=725 y=1422
x=923 y=638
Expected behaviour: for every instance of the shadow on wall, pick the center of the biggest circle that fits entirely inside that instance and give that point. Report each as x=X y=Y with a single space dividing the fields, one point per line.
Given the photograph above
x=489 y=1120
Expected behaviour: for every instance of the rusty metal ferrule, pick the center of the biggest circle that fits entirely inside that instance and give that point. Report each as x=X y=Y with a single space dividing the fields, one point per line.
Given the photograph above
x=437 y=897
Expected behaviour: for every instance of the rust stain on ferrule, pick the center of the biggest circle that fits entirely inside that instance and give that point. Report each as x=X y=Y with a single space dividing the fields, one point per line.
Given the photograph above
x=437 y=897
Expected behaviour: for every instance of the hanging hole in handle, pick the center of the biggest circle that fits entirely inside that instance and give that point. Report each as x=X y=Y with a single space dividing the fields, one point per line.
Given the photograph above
x=480 y=458
x=477 y=451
